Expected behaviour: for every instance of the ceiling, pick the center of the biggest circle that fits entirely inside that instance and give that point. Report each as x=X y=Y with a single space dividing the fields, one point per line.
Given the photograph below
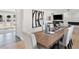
x=63 y=10
x=8 y=10
x=51 y=10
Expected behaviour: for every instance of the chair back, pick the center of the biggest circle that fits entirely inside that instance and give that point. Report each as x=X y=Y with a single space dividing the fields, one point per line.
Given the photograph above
x=38 y=29
x=68 y=36
x=34 y=42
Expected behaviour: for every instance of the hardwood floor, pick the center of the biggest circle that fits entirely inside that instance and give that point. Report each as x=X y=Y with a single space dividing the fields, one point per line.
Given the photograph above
x=76 y=38
x=18 y=45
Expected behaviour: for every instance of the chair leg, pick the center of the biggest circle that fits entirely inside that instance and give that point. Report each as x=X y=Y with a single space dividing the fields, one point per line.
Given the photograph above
x=70 y=45
x=65 y=47
x=71 y=42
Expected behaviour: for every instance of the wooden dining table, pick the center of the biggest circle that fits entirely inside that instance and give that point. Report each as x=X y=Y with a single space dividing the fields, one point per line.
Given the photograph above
x=48 y=40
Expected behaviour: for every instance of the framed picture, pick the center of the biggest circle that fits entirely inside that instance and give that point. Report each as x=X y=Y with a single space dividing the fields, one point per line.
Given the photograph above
x=37 y=18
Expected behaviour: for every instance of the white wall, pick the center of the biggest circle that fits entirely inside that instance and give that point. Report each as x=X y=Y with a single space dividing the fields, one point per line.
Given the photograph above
x=75 y=17
x=27 y=21
x=66 y=18
x=71 y=17
x=19 y=19
x=27 y=18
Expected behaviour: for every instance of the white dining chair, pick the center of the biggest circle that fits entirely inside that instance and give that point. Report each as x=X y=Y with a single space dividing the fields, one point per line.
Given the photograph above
x=67 y=37
x=38 y=29
x=34 y=42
